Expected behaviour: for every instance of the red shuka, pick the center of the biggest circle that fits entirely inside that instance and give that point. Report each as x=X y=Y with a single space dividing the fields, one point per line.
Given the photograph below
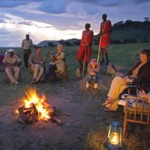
x=85 y=49
x=105 y=29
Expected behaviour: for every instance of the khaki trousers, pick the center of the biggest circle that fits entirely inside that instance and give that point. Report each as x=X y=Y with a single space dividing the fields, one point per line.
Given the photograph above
x=13 y=73
x=118 y=85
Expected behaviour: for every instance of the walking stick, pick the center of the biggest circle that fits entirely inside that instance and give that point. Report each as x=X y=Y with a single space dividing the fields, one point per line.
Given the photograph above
x=84 y=62
x=99 y=49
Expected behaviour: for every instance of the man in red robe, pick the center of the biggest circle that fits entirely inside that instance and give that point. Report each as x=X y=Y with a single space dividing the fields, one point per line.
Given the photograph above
x=105 y=32
x=85 y=50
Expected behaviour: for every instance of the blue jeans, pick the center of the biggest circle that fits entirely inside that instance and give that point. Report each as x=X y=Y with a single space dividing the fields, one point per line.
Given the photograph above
x=92 y=79
x=51 y=72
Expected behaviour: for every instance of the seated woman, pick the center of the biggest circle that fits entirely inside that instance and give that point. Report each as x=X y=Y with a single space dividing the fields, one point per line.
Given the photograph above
x=92 y=72
x=139 y=75
x=56 y=64
x=11 y=62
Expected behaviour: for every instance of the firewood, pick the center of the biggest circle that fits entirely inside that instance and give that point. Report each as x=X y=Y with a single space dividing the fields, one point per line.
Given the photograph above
x=56 y=120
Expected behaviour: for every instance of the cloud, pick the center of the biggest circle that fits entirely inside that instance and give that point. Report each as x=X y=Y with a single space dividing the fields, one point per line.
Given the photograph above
x=61 y=19
x=54 y=7
x=141 y=1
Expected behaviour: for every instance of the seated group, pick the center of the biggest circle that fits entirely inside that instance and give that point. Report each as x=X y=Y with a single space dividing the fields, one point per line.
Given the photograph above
x=36 y=65
x=139 y=75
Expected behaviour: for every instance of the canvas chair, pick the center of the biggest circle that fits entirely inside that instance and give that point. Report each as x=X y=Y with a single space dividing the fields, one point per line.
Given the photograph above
x=140 y=113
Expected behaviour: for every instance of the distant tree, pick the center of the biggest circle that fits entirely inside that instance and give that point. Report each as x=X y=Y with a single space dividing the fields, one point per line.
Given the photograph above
x=50 y=44
x=146 y=19
x=131 y=40
x=117 y=24
x=62 y=42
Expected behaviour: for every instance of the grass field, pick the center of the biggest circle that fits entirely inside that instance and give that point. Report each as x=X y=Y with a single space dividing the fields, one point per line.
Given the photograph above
x=122 y=55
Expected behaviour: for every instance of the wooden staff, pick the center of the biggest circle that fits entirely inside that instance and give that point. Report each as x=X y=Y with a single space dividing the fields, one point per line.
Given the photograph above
x=99 y=49
x=84 y=62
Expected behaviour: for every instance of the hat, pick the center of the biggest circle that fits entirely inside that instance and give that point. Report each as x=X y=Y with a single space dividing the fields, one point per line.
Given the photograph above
x=93 y=61
x=10 y=50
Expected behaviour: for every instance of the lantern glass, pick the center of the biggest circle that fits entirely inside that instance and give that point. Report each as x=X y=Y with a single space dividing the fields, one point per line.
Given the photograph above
x=115 y=134
x=114 y=138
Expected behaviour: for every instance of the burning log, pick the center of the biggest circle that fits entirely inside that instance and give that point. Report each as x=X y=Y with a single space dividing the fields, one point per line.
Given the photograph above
x=28 y=115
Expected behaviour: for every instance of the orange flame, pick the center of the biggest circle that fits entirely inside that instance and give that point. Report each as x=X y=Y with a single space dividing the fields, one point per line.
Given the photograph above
x=45 y=111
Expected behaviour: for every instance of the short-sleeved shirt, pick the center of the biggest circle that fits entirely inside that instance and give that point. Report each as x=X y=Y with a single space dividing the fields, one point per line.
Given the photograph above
x=11 y=60
x=26 y=44
x=36 y=59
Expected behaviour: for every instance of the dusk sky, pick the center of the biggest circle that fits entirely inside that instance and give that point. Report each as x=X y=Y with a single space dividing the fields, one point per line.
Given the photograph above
x=62 y=19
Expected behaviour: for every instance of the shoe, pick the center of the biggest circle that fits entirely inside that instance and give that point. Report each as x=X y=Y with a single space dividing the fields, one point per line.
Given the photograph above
x=108 y=110
x=95 y=85
x=87 y=85
x=16 y=83
x=108 y=101
x=33 y=81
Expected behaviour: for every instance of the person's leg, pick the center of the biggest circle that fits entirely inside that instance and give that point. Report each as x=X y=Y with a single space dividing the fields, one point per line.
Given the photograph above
x=40 y=72
x=106 y=55
x=26 y=58
x=51 y=73
x=81 y=65
x=9 y=73
x=16 y=72
x=47 y=74
x=35 y=71
x=102 y=56
x=117 y=86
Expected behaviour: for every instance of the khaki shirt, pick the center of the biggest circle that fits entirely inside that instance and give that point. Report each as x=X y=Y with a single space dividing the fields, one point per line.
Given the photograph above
x=26 y=44
x=36 y=59
x=11 y=60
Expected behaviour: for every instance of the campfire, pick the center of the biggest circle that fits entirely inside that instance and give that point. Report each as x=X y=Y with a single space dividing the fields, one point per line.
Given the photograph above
x=35 y=107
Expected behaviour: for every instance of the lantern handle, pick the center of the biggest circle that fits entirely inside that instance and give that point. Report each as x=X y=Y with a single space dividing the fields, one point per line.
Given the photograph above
x=109 y=131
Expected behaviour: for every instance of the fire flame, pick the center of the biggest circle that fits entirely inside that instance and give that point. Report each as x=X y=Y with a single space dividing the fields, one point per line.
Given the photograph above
x=45 y=111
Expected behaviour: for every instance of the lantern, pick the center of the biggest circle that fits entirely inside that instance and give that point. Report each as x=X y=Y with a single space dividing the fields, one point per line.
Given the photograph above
x=114 y=136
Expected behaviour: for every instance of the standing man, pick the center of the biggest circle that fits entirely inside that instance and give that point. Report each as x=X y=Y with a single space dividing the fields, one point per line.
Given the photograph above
x=84 y=52
x=105 y=32
x=26 y=45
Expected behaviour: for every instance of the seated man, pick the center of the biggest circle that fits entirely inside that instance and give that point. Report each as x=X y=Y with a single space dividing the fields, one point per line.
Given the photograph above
x=36 y=63
x=93 y=70
x=56 y=64
x=11 y=62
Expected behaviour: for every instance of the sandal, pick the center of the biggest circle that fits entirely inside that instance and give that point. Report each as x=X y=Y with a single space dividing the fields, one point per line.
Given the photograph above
x=108 y=101
x=33 y=81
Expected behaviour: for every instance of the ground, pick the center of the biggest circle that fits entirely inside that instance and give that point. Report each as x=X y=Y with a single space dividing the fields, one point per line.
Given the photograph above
x=87 y=126
x=84 y=107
